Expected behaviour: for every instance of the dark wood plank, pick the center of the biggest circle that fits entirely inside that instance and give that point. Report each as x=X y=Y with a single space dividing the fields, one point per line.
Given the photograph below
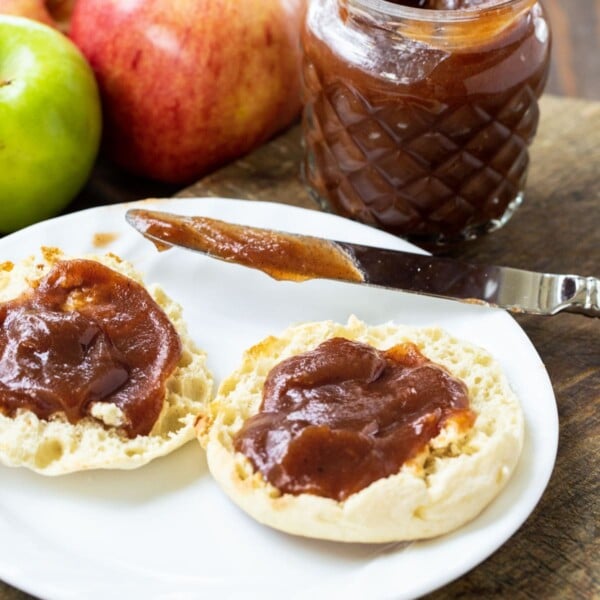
x=575 y=69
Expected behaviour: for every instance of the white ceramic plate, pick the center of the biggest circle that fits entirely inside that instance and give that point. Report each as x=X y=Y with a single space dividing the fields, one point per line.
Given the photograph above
x=166 y=531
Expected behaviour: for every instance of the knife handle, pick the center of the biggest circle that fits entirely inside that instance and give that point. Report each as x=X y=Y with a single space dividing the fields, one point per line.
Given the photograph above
x=585 y=298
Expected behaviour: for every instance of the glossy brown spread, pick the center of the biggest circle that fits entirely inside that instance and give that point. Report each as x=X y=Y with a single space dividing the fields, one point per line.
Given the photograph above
x=337 y=418
x=281 y=255
x=86 y=334
x=442 y=4
x=420 y=132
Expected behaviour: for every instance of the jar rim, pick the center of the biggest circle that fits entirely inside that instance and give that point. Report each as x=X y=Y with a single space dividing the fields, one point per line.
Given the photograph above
x=393 y=10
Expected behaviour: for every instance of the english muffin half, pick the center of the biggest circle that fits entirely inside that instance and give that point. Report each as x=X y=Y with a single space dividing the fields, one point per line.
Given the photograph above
x=77 y=337
x=442 y=486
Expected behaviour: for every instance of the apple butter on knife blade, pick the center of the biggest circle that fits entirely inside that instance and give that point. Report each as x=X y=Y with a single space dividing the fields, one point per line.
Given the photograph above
x=283 y=256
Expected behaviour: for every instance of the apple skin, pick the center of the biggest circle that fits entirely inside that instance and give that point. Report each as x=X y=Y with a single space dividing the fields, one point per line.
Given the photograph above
x=190 y=85
x=56 y=13
x=50 y=122
x=30 y=9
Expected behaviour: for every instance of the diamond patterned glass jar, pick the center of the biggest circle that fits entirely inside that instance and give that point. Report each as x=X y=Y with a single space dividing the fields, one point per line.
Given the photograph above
x=418 y=120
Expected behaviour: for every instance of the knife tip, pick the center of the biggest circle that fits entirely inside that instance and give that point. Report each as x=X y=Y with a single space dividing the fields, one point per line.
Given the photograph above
x=134 y=218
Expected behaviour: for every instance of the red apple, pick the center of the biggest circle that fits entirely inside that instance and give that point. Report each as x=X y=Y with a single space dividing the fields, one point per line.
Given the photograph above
x=192 y=84
x=30 y=9
x=56 y=13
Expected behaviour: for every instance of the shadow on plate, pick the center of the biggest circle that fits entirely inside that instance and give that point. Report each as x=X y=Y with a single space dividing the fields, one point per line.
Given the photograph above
x=163 y=476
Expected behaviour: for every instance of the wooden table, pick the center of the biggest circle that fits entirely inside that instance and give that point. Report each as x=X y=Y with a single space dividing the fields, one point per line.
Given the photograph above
x=575 y=67
x=556 y=554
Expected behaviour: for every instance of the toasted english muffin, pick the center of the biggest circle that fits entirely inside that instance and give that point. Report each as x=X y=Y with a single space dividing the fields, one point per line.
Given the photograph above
x=56 y=446
x=445 y=486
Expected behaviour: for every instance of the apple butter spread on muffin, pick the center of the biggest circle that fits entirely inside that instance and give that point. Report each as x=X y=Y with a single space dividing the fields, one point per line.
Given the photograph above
x=364 y=434
x=96 y=370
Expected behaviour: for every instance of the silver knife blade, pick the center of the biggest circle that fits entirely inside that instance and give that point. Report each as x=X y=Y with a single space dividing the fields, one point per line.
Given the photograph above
x=299 y=257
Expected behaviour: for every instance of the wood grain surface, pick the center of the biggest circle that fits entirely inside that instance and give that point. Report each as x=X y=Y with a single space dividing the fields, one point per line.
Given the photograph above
x=575 y=69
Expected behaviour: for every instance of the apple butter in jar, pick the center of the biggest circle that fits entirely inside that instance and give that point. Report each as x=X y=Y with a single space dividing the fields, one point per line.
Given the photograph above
x=419 y=113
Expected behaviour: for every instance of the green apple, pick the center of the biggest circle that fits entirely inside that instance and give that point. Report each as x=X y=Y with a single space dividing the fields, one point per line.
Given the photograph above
x=50 y=122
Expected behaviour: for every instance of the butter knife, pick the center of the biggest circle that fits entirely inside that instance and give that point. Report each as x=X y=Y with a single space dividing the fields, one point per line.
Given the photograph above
x=296 y=257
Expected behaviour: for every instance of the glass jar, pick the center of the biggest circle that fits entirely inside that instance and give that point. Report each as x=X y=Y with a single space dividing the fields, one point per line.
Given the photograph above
x=418 y=120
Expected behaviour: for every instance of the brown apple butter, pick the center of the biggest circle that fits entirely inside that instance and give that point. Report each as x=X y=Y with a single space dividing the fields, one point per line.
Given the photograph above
x=281 y=255
x=339 y=417
x=418 y=114
x=86 y=334
x=444 y=4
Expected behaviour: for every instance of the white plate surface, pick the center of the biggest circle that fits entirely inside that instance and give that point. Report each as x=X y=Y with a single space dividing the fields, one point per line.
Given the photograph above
x=166 y=531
